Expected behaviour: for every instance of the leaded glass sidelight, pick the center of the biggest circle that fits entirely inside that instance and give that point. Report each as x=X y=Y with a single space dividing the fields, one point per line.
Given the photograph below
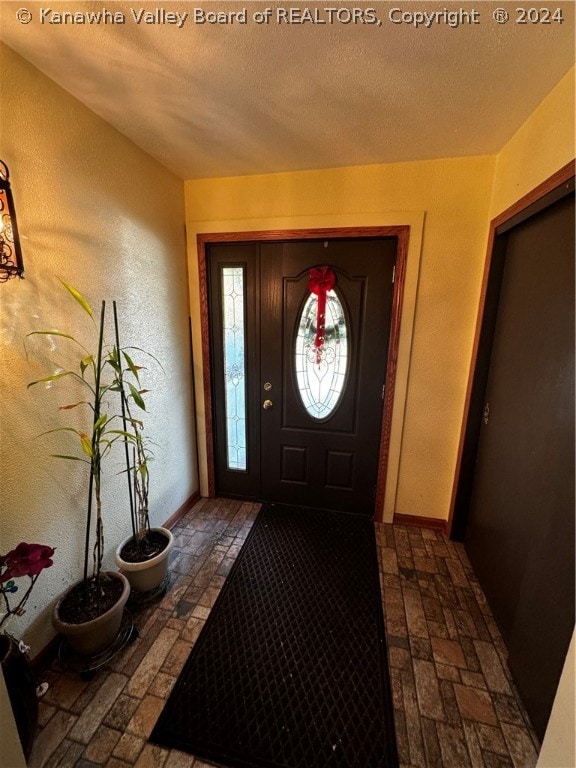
x=321 y=374
x=234 y=342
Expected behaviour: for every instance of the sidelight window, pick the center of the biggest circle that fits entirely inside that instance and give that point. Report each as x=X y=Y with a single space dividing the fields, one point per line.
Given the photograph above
x=234 y=343
x=321 y=372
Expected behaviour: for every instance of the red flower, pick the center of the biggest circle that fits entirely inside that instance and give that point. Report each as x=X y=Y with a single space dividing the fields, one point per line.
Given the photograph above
x=25 y=560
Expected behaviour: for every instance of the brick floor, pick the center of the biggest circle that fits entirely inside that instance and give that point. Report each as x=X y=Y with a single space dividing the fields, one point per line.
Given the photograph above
x=454 y=702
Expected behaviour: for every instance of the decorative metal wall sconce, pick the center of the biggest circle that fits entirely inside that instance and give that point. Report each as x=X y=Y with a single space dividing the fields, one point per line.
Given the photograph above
x=11 y=264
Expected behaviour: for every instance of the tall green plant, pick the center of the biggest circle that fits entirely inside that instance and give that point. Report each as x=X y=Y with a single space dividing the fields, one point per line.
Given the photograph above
x=137 y=467
x=96 y=443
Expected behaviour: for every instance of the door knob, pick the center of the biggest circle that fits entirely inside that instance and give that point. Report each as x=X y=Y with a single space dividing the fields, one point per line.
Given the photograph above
x=267 y=404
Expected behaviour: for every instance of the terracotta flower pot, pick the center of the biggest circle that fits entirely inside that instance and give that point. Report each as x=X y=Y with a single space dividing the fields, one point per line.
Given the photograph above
x=92 y=637
x=148 y=574
x=21 y=685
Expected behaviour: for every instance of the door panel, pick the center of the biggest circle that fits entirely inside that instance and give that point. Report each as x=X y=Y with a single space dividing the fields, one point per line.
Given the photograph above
x=293 y=457
x=520 y=535
x=330 y=463
x=231 y=481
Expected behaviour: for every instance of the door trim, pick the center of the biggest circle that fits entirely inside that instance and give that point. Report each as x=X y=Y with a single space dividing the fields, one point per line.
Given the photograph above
x=526 y=206
x=402 y=233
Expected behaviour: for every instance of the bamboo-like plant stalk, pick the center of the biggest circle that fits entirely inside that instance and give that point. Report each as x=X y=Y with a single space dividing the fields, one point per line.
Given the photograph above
x=94 y=447
x=95 y=471
x=138 y=476
x=124 y=423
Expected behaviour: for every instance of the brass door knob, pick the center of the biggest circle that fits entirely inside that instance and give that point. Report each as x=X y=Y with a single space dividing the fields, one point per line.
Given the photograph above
x=267 y=404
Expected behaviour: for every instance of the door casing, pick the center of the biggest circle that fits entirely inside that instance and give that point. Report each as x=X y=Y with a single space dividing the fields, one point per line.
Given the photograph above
x=402 y=233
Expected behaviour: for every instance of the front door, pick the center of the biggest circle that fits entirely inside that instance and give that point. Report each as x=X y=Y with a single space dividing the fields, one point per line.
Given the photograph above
x=298 y=398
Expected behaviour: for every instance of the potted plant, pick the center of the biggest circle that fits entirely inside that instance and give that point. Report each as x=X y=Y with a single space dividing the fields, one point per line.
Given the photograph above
x=89 y=615
x=25 y=561
x=143 y=557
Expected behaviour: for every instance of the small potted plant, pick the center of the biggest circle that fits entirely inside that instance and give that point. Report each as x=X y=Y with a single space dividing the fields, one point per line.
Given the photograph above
x=89 y=615
x=143 y=557
x=25 y=561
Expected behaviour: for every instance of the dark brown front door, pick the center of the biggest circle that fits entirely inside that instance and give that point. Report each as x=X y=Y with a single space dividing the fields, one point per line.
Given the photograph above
x=520 y=535
x=313 y=417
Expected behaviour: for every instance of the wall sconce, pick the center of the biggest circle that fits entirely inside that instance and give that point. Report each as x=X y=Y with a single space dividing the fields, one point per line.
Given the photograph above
x=11 y=264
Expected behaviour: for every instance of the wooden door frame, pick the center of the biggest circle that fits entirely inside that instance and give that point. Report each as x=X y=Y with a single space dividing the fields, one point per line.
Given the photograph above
x=515 y=214
x=402 y=233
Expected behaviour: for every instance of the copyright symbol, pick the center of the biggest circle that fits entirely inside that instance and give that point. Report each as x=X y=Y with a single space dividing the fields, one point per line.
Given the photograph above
x=24 y=16
x=501 y=16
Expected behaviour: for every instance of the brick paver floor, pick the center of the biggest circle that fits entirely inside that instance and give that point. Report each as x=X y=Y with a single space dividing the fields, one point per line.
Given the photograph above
x=454 y=702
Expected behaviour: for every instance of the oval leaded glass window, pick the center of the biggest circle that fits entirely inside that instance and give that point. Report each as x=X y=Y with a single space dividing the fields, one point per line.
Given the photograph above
x=321 y=373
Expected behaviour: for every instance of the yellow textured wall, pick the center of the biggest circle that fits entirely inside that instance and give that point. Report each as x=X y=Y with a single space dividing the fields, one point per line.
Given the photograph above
x=542 y=145
x=453 y=197
x=100 y=213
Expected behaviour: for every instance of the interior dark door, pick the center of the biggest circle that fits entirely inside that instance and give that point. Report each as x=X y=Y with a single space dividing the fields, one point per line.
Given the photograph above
x=326 y=459
x=520 y=535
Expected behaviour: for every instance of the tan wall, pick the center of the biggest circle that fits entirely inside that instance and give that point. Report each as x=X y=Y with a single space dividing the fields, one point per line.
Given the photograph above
x=451 y=198
x=98 y=212
x=559 y=745
x=540 y=147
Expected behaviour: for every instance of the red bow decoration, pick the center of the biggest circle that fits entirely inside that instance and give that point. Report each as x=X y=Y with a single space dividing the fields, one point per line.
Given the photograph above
x=321 y=281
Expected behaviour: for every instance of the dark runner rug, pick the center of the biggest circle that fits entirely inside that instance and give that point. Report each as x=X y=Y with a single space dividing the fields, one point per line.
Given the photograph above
x=290 y=670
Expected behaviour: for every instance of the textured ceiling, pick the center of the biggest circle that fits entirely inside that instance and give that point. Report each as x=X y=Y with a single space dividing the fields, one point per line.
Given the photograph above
x=212 y=100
